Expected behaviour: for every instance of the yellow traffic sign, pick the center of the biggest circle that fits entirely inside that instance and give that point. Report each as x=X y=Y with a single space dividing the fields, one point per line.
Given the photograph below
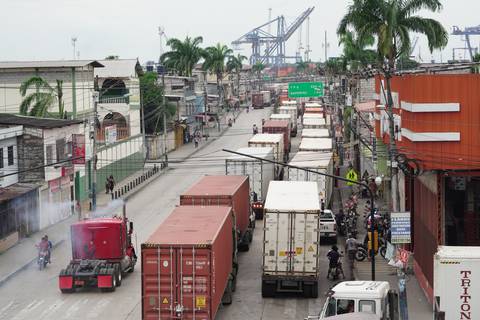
x=352 y=176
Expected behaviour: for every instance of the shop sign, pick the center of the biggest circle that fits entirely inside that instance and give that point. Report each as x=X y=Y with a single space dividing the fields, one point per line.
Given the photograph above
x=400 y=227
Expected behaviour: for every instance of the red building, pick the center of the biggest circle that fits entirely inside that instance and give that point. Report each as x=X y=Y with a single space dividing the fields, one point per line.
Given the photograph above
x=437 y=125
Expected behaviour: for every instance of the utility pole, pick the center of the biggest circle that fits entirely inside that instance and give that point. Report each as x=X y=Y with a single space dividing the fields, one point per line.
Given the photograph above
x=326 y=47
x=205 y=104
x=74 y=40
x=164 y=107
x=94 y=144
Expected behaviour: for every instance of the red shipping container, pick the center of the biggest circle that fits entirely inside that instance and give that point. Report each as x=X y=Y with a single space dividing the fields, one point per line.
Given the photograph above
x=279 y=126
x=257 y=100
x=186 y=264
x=231 y=191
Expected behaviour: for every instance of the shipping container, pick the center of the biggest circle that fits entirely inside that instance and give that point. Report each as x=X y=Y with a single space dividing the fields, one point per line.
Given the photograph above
x=316 y=161
x=267 y=98
x=315 y=111
x=456 y=273
x=315 y=133
x=257 y=100
x=230 y=191
x=189 y=264
x=286 y=117
x=259 y=173
x=313 y=116
x=274 y=141
x=314 y=123
x=316 y=144
x=291 y=239
x=283 y=127
x=292 y=110
x=313 y=105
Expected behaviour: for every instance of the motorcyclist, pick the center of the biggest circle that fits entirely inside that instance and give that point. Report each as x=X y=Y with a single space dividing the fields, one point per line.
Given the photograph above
x=44 y=246
x=334 y=257
x=255 y=129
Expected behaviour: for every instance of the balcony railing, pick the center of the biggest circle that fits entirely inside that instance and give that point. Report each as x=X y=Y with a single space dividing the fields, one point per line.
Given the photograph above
x=114 y=100
x=122 y=133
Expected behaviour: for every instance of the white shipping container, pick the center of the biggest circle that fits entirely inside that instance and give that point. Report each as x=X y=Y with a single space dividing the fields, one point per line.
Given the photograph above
x=289 y=103
x=269 y=140
x=280 y=116
x=316 y=144
x=456 y=274
x=266 y=97
x=313 y=116
x=291 y=229
x=260 y=173
x=315 y=133
x=291 y=110
x=314 y=123
x=313 y=105
x=318 y=161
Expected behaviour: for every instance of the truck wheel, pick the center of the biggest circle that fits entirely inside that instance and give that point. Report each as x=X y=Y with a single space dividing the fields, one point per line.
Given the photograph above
x=131 y=269
x=111 y=271
x=227 y=298
x=118 y=274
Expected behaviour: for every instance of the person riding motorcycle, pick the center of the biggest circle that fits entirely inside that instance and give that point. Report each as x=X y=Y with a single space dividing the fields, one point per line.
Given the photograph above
x=255 y=129
x=44 y=247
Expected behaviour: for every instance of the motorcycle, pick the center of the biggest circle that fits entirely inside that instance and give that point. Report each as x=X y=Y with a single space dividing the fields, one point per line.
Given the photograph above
x=362 y=251
x=335 y=272
x=230 y=122
x=42 y=259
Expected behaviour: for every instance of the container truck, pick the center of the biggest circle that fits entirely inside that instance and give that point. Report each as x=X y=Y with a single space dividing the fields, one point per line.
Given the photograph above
x=283 y=127
x=230 y=191
x=102 y=252
x=314 y=123
x=456 y=274
x=257 y=100
x=313 y=116
x=274 y=141
x=267 y=98
x=316 y=144
x=315 y=133
x=291 y=239
x=317 y=161
x=292 y=110
x=358 y=298
x=286 y=117
x=259 y=173
x=189 y=264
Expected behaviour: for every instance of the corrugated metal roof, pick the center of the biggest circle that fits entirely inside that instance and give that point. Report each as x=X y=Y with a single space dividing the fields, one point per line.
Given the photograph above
x=16 y=190
x=48 y=64
x=46 y=123
x=119 y=68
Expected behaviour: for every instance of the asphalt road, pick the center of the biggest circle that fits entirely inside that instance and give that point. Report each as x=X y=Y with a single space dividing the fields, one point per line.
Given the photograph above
x=34 y=294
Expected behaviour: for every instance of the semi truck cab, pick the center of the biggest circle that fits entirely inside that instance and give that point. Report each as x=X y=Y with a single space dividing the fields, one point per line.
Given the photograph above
x=373 y=297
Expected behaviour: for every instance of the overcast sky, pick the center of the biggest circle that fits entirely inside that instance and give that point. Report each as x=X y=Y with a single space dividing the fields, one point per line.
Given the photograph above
x=42 y=29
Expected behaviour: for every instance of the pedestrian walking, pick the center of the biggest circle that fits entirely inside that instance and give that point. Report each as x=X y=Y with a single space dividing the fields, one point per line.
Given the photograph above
x=195 y=140
x=112 y=183
x=351 y=247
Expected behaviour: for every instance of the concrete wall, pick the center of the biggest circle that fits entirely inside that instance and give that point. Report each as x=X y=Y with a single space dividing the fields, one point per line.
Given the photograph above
x=156 y=145
x=10 y=81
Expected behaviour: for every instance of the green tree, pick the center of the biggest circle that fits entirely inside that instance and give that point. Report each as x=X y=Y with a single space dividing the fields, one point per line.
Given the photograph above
x=38 y=103
x=152 y=100
x=355 y=50
x=257 y=69
x=215 y=58
x=476 y=58
x=112 y=57
x=184 y=55
x=235 y=64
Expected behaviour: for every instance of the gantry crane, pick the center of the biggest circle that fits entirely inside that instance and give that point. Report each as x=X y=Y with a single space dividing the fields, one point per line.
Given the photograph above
x=467 y=32
x=268 y=48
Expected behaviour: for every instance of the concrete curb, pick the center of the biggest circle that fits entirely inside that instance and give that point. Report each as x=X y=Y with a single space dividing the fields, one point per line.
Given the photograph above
x=25 y=266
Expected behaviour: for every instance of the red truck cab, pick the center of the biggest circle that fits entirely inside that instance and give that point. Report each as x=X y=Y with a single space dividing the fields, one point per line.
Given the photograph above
x=102 y=252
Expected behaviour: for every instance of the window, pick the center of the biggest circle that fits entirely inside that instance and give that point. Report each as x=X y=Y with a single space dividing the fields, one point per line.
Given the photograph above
x=11 y=160
x=60 y=147
x=1 y=158
x=345 y=306
x=49 y=154
x=331 y=308
x=367 y=306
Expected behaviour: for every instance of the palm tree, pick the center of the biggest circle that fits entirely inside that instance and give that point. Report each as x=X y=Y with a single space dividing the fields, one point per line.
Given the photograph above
x=235 y=64
x=390 y=22
x=215 y=63
x=184 y=55
x=355 y=52
x=257 y=68
x=42 y=99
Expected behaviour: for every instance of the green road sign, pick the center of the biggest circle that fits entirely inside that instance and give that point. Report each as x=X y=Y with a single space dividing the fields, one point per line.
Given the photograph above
x=352 y=176
x=305 y=89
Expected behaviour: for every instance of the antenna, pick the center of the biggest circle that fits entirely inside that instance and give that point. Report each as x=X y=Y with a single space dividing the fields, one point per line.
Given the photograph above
x=161 y=33
x=74 y=40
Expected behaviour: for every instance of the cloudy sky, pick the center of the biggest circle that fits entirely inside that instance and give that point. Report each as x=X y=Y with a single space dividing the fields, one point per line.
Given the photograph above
x=42 y=29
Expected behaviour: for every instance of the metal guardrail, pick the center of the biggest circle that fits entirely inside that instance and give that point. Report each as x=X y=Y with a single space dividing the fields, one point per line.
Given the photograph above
x=125 y=188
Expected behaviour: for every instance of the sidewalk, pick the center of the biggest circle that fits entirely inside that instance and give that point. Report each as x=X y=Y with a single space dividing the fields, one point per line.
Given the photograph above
x=20 y=256
x=418 y=306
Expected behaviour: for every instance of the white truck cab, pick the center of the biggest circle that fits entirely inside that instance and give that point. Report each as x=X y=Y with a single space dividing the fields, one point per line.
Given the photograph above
x=373 y=297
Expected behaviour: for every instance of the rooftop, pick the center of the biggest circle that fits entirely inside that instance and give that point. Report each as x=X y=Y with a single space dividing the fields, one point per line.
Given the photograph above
x=44 y=123
x=119 y=68
x=16 y=190
x=49 y=64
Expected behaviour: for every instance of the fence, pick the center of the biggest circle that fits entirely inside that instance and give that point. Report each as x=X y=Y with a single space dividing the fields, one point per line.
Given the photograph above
x=135 y=182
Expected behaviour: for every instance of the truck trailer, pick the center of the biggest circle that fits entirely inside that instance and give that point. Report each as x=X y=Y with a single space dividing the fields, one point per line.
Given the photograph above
x=313 y=123
x=316 y=144
x=257 y=100
x=315 y=133
x=291 y=239
x=274 y=141
x=230 y=191
x=286 y=117
x=259 y=173
x=456 y=281
x=283 y=127
x=189 y=264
